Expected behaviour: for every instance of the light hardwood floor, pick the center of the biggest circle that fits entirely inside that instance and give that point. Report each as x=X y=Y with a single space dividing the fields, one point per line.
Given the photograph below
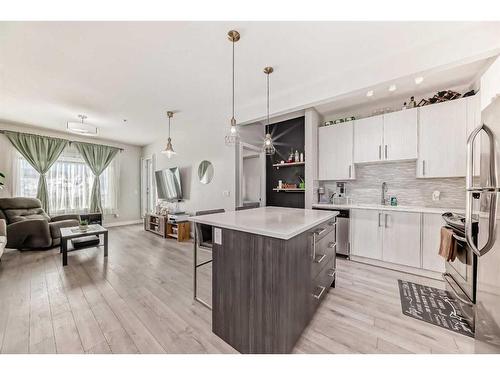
x=139 y=300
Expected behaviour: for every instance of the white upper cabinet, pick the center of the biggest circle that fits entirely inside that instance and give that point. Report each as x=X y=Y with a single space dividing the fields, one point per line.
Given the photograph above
x=368 y=138
x=442 y=139
x=490 y=84
x=400 y=135
x=335 y=152
x=388 y=137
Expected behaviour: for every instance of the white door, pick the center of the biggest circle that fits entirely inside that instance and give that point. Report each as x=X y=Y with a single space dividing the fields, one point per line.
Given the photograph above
x=442 y=139
x=400 y=135
x=335 y=152
x=366 y=233
x=401 y=238
x=147 y=186
x=431 y=230
x=368 y=133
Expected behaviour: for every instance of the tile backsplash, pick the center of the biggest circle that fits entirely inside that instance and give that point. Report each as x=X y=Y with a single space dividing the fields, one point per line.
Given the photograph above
x=402 y=183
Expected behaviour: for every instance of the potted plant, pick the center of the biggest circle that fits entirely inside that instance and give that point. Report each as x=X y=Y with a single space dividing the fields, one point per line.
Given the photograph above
x=84 y=225
x=2 y=177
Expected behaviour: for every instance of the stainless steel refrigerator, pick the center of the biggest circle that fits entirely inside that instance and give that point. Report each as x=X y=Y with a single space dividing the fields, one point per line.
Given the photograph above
x=482 y=203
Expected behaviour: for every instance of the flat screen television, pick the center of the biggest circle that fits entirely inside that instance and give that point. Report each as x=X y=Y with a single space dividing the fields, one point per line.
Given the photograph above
x=168 y=184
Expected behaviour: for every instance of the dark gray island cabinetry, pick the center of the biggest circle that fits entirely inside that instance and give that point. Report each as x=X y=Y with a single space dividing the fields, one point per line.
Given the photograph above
x=271 y=269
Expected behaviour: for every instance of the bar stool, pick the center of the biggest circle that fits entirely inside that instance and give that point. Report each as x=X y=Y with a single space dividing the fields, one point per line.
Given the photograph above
x=202 y=240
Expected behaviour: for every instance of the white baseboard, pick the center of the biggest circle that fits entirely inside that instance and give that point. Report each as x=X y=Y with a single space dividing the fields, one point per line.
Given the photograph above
x=122 y=223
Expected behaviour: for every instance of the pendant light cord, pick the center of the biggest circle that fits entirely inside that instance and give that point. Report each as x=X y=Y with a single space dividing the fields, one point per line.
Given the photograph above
x=268 y=102
x=233 y=80
x=169 y=127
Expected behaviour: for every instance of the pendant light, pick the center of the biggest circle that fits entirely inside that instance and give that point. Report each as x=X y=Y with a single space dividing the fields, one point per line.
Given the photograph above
x=169 y=150
x=268 y=141
x=233 y=137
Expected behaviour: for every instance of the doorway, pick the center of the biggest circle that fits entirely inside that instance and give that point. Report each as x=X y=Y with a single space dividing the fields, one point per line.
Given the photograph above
x=148 y=191
x=251 y=176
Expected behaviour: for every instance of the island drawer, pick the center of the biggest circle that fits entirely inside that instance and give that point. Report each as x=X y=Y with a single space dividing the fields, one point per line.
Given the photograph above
x=321 y=285
x=324 y=229
x=323 y=252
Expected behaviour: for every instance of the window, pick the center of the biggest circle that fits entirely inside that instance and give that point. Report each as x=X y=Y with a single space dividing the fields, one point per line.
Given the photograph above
x=69 y=183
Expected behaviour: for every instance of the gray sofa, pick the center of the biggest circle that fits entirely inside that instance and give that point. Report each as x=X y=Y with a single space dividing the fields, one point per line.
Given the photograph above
x=29 y=226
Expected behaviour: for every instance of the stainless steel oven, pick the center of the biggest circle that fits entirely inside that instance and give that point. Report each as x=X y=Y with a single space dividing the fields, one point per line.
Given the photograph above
x=461 y=272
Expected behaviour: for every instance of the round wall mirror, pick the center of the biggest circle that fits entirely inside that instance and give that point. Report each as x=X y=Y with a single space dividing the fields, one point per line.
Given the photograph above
x=205 y=172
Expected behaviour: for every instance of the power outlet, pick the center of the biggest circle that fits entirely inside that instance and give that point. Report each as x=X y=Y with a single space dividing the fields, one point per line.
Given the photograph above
x=226 y=193
x=436 y=195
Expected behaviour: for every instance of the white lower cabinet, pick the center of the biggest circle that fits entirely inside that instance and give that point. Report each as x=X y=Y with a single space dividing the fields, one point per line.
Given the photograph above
x=366 y=233
x=431 y=228
x=403 y=238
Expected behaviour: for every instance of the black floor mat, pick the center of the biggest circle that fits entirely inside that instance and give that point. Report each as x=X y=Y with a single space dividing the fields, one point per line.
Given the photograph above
x=432 y=305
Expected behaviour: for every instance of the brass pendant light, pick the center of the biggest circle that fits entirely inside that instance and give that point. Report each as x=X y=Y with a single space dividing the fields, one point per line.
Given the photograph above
x=233 y=137
x=268 y=147
x=169 y=150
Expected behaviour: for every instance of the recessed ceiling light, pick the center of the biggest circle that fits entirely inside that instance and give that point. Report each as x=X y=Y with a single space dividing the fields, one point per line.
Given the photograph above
x=392 y=88
x=369 y=93
x=419 y=80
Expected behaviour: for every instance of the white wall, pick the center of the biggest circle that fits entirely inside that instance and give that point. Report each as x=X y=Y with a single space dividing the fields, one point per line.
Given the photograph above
x=128 y=204
x=201 y=140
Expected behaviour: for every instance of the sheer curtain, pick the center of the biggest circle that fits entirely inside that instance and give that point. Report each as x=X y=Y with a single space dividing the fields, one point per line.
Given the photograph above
x=69 y=183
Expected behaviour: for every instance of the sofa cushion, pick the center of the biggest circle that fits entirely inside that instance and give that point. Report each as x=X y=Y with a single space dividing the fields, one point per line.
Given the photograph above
x=13 y=216
x=20 y=209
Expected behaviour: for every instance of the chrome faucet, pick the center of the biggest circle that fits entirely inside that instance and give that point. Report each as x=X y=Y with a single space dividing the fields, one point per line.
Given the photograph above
x=383 y=200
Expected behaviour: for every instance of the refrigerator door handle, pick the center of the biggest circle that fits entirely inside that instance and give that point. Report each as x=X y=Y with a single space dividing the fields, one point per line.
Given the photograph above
x=470 y=190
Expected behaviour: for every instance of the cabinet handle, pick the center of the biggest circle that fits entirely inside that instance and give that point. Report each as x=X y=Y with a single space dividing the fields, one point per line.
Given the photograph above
x=331 y=272
x=379 y=152
x=349 y=171
x=321 y=258
x=331 y=245
x=386 y=151
x=320 y=231
x=318 y=296
x=332 y=223
x=385 y=221
x=379 y=218
x=423 y=167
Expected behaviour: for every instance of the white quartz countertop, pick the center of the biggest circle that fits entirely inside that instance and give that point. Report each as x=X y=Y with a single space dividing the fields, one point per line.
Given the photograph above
x=431 y=210
x=277 y=222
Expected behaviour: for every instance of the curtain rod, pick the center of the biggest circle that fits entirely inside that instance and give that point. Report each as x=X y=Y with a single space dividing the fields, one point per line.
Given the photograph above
x=2 y=131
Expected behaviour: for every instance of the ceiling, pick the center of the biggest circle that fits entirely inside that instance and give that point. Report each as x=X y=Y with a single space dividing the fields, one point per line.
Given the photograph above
x=110 y=71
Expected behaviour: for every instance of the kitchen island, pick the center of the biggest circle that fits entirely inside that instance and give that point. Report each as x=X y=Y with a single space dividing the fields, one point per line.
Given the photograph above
x=272 y=267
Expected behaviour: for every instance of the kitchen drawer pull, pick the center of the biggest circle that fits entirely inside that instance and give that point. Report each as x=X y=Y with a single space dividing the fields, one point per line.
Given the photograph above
x=386 y=152
x=318 y=296
x=331 y=245
x=322 y=257
x=331 y=272
x=379 y=214
x=332 y=223
x=423 y=167
x=379 y=152
x=349 y=171
x=320 y=231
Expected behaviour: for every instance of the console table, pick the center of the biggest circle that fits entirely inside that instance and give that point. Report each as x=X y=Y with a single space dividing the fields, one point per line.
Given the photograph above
x=159 y=224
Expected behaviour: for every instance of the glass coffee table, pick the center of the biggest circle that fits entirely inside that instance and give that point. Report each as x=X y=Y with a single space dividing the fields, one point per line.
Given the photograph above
x=92 y=232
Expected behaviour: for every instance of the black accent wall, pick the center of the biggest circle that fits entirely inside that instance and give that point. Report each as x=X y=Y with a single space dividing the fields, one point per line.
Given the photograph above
x=287 y=135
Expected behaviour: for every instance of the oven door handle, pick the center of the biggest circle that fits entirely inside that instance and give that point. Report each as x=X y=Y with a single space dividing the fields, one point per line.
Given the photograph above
x=464 y=301
x=459 y=238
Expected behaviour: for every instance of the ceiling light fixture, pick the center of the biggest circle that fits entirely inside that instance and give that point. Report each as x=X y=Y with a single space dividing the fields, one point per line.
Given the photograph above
x=419 y=80
x=268 y=141
x=369 y=93
x=169 y=150
x=392 y=88
x=233 y=137
x=81 y=128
